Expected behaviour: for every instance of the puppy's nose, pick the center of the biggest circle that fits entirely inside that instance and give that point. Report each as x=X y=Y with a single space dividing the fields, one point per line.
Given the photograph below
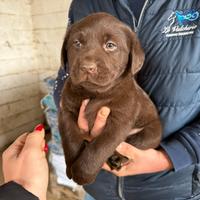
x=90 y=68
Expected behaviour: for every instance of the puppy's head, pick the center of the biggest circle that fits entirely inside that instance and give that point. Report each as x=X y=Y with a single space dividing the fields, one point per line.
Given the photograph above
x=99 y=49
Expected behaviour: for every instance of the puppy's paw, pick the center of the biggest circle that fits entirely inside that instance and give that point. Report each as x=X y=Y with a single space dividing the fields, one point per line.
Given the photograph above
x=81 y=176
x=116 y=161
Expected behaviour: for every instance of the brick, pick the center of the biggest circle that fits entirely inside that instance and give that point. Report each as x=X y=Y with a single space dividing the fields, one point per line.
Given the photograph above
x=17 y=65
x=17 y=80
x=16 y=22
x=9 y=136
x=17 y=107
x=51 y=36
x=15 y=94
x=16 y=51
x=7 y=124
x=15 y=7
x=16 y=37
x=45 y=7
x=58 y=20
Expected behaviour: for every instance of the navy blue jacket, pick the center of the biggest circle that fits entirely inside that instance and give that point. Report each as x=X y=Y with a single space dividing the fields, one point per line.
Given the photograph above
x=14 y=191
x=169 y=32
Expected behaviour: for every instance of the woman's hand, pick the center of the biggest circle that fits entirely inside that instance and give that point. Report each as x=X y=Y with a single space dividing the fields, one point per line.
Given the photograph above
x=25 y=163
x=141 y=161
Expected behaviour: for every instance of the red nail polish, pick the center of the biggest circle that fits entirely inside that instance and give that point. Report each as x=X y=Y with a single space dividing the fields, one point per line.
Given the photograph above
x=46 y=148
x=39 y=127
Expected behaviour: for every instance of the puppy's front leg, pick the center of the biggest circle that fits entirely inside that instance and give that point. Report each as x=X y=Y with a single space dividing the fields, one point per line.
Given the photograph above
x=89 y=163
x=71 y=138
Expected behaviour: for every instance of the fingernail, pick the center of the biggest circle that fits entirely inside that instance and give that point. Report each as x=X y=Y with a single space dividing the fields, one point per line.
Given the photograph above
x=86 y=102
x=39 y=127
x=105 y=111
x=119 y=147
x=46 y=148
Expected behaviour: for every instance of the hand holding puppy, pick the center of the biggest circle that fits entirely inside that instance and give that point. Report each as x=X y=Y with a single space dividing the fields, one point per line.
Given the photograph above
x=141 y=161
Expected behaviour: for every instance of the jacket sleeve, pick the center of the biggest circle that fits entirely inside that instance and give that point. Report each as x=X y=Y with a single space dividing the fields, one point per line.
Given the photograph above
x=183 y=147
x=12 y=190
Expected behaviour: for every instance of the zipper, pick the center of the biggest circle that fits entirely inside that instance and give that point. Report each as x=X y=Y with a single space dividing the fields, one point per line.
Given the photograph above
x=136 y=28
x=141 y=15
x=124 y=5
x=120 y=187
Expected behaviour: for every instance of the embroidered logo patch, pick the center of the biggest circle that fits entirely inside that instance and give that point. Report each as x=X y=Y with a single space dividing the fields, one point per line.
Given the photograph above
x=181 y=23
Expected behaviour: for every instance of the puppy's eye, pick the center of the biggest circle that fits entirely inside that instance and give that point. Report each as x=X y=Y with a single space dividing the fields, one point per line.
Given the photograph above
x=111 y=46
x=77 y=44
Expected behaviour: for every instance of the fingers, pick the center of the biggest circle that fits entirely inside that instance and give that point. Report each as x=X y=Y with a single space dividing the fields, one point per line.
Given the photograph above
x=100 y=121
x=135 y=131
x=82 y=122
x=36 y=138
x=15 y=148
x=106 y=167
x=127 y=150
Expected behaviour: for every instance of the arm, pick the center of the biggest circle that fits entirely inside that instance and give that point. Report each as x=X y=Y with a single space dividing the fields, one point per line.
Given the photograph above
x=183 y=147
x=12 y=190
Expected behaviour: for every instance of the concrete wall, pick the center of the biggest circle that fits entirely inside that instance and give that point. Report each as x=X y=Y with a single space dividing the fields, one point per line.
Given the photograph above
x=31 y=33
x=49 y=26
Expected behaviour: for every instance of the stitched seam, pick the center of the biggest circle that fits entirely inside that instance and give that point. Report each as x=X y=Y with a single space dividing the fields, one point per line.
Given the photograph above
x=150 y=189
x=177 y=106
x=172 y=74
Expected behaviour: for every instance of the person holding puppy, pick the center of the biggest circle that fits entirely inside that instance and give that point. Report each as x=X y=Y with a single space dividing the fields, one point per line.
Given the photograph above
x=169 y=34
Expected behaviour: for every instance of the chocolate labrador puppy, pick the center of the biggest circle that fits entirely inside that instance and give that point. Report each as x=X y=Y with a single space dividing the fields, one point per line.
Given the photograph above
x=103 y=55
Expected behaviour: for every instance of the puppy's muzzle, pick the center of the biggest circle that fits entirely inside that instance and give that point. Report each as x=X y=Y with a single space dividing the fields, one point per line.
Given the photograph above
x=90 y=68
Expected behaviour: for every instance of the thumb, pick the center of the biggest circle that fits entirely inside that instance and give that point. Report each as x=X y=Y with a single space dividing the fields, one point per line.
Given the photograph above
x=100 y=121
x=36 y=138
x=15 y=148
x=127 y=150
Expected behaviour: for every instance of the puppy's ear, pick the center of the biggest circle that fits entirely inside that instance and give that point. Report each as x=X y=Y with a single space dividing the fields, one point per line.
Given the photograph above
x=64 y=48
x=136 y=54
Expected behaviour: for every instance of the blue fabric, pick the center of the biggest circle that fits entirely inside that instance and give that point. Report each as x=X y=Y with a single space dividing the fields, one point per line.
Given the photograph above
x=136 y=7
x=170 y=75
x=12 y=190
x=165 y=185
x=88 y=197
x=50 y=111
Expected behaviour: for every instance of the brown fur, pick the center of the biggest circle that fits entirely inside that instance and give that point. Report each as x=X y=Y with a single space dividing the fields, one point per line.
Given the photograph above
x=105 y=75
